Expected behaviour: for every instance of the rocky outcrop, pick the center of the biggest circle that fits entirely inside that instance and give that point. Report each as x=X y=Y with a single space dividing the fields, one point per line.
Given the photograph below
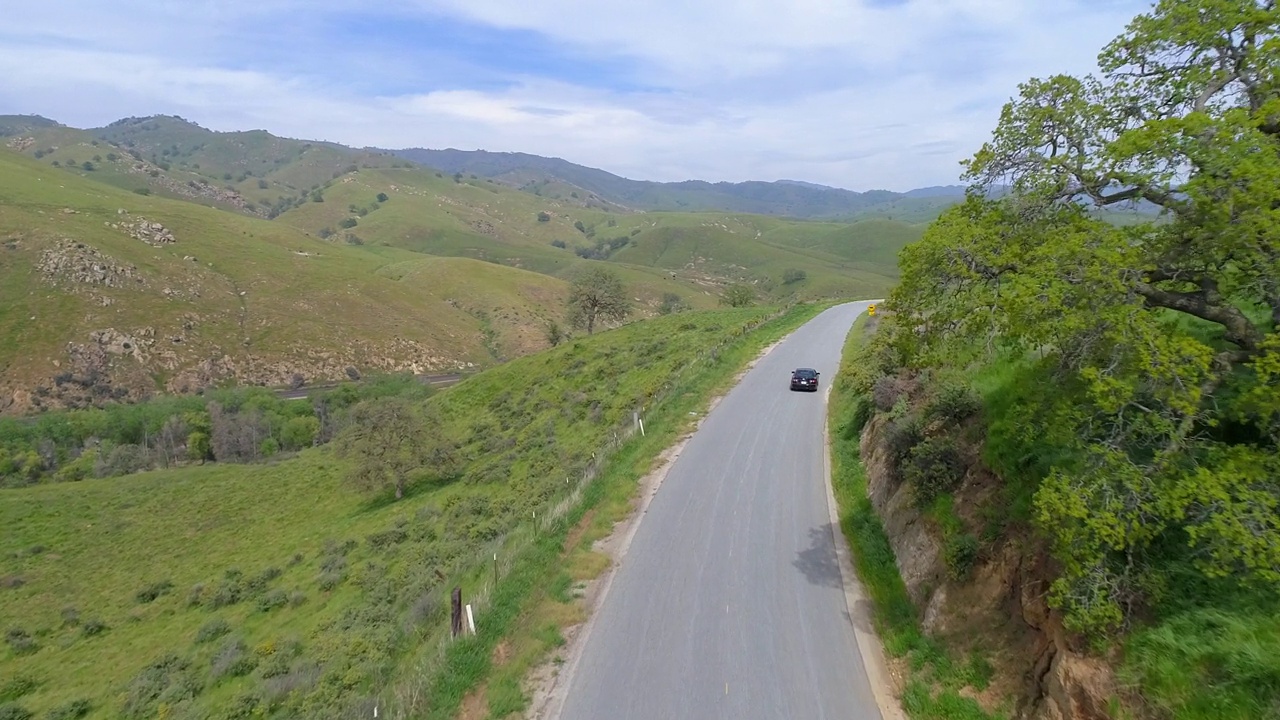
x=72 y=265
x=1001 y=605
x=139 y=228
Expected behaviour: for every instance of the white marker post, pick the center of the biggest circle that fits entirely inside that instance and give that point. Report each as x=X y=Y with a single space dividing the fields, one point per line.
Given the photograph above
x=641 y=421
x=471 y=621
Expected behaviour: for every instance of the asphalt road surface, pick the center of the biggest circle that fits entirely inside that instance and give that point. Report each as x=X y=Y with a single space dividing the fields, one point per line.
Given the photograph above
x=729 y=601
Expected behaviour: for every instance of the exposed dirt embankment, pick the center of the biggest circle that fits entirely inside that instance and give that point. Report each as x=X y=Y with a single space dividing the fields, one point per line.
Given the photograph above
x=999 y=608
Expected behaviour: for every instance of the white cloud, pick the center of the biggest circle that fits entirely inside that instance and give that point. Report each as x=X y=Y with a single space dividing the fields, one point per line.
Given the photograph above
x=837 y=92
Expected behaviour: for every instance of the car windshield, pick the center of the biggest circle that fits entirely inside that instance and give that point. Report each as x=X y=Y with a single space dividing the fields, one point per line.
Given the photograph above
x=805 y=373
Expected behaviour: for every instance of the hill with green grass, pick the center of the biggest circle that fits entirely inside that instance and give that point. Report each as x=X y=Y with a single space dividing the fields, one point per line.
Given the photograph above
x=264 y=584
x=111 y=294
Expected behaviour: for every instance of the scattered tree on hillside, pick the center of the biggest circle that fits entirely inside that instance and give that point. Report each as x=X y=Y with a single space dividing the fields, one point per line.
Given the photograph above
x=1161 y=336
x=393 y=442
x=738 y=295
x=382 y=197
x=793 y=275
x=544 y=216
x=597 y=294
x=672 y=303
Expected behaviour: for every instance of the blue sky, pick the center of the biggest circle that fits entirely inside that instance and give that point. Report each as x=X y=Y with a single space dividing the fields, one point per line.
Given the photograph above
x=859 y=94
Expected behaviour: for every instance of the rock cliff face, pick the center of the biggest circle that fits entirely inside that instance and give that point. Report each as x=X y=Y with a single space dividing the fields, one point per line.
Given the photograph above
x=1000 y=607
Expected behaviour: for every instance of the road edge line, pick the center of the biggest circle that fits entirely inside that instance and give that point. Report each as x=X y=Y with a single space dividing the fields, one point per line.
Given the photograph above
x=869 y=645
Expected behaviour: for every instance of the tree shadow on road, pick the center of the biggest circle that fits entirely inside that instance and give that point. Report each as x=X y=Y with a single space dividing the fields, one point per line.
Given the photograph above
x=818 y=563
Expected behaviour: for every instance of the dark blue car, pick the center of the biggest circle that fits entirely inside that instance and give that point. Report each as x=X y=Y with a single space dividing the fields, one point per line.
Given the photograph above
x=804 y=379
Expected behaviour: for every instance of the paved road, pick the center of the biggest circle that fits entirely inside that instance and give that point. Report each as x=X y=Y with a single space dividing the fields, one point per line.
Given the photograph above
x=729 y=601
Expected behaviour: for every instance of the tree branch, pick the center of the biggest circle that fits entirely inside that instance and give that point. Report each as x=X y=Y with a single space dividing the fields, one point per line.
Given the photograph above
x=1207 y=304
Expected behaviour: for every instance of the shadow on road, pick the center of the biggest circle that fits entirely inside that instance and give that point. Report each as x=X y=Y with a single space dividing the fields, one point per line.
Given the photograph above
x=818 y=562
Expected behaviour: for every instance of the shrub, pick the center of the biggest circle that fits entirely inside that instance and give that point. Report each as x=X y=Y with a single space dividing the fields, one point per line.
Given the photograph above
x=793 y=275
x=166 y=680
x=93 y=627
x=885 y=392
x=559 y=243
x=959 y=553
x=297 y=598
x=232 y=660
x=153 y=591
x=14 y=711
x=545 y=217
x=212 y=630
x=955 y=403
x=17 y=686
x=902 y=435
x=275 y=599
x=71 y=711
x=933 y=467
x=348 y=223
x=20 y=641
x=382 y=197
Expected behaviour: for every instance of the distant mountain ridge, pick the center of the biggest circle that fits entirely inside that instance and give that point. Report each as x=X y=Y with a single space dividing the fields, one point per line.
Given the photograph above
x=791 y=198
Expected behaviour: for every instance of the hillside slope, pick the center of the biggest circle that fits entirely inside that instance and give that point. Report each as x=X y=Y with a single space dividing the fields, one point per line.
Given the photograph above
x=279 y=590
x=107 y=293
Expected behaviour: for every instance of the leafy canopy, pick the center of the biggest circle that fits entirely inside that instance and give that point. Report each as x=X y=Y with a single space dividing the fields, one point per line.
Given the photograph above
x=1161 y=335
x=597 y=294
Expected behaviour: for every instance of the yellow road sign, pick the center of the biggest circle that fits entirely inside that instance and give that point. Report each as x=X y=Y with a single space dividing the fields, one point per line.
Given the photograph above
x=871 y=309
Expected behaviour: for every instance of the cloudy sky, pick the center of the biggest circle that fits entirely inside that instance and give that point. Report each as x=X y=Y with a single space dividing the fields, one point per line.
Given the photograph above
x=859 y=94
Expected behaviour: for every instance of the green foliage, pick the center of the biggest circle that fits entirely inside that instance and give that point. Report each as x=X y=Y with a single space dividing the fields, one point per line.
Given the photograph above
x=14 y=711
x=16 y=686
x=1157 y=335
x=597 y=294
x=672 y=303
x=390 y=442
x=382 y=197
x=73 y=710
x=738 y=295
x=933 y=466
x=793 y=275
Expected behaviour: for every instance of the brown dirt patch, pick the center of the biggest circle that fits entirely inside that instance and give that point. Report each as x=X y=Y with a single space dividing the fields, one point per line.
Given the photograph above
x=475 y=706
x=575 y=535
x=501 y=654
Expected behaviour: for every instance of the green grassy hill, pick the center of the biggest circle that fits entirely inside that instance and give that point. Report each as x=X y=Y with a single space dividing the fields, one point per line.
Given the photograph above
x=109 y=293
x=277 y=590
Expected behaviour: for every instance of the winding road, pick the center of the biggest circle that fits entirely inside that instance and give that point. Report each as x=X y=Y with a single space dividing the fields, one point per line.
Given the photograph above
x=730 y=601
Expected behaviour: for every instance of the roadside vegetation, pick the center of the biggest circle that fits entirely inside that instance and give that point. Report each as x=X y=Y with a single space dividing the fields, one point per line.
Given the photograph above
x=1127 y=375
x=294 y=585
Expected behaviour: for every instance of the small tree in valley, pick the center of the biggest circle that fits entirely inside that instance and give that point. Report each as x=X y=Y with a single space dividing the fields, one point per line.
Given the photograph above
x=392 y=442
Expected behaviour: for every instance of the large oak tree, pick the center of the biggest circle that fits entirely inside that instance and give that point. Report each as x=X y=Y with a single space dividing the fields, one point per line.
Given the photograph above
x=1161 y=331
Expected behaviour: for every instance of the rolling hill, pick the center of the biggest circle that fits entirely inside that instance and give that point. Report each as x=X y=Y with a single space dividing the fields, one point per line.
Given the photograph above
x=154 y=254
x=110 y=294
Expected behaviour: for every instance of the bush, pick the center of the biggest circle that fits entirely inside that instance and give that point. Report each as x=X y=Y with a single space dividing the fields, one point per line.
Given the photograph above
x=902 y=436
x=14 y=711
x=167 y=680
x=954 y=403
x=232 y=660
x=150 y=593
x=212 y=630
x=93 y=627
x=885 y=392
x=17 y=686
x=544 y=217
x=275 y=599
x=21 y=641
x=559 y=243
x=793 y=275
x=960 y=552
x=71 y=711
x=348 y=223
x=933 y=467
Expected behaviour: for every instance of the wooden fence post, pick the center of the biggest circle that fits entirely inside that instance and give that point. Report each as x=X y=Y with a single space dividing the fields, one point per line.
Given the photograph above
x=455 y=620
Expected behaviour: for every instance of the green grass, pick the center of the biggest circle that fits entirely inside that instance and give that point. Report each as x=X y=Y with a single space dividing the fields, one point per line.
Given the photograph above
x=935 y=678
x=1221 y=663
x=306 y=303
x=75 y=557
